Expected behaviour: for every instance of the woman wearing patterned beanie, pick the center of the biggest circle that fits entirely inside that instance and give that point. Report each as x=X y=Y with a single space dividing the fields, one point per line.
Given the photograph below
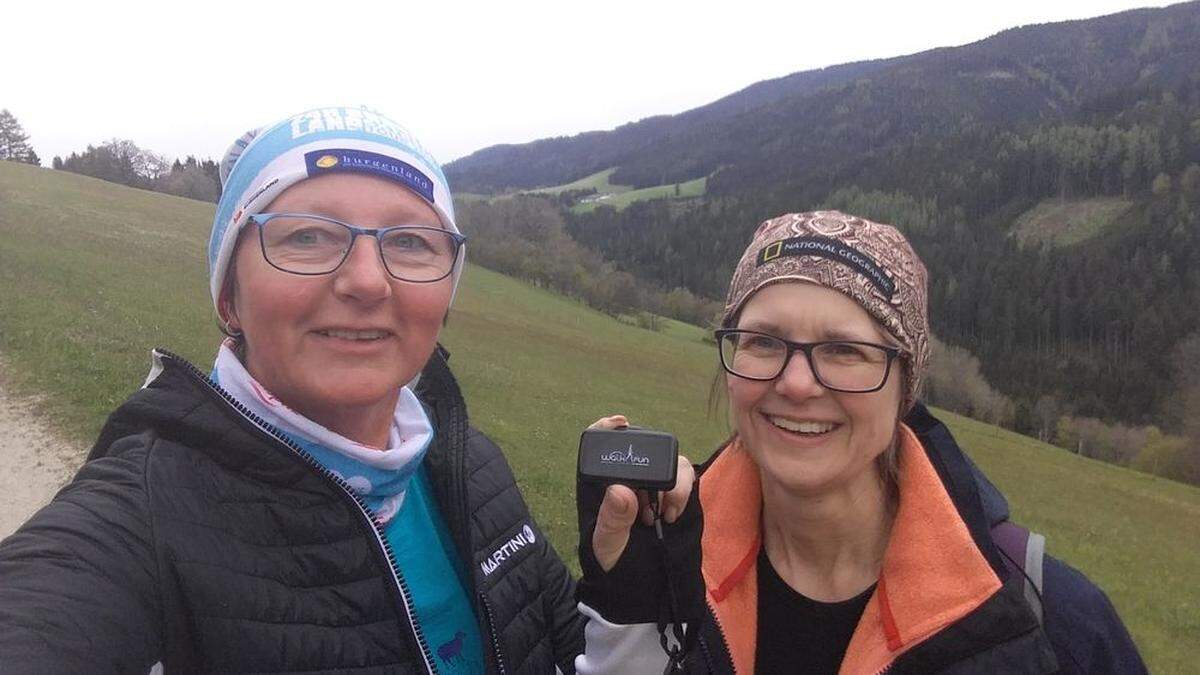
x=318 y=502
x=844 y=530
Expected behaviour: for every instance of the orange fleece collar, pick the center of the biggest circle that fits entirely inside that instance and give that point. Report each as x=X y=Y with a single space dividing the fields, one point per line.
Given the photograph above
x=933 y=573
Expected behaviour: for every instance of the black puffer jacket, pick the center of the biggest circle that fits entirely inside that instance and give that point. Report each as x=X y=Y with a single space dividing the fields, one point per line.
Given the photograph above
x=194 y=539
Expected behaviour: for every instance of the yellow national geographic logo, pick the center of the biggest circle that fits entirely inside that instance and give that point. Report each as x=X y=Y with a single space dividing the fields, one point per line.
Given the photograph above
x=327 y=161
x=772 y=251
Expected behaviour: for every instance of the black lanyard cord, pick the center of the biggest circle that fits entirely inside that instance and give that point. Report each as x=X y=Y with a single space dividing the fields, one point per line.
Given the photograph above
x=675 y=652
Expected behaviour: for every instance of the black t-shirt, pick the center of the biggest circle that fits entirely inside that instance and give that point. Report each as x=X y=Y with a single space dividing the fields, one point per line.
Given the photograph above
x=800 y=635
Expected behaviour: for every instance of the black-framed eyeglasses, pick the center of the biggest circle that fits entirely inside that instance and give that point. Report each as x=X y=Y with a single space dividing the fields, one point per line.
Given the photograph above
x=302 y=243
x=839 y=365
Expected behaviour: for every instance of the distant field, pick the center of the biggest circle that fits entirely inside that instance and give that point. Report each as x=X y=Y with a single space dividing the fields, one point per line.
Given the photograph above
x=692 y=188
x=93 y=275
x=620 y=196
x=1063 y=222
x=598 y=180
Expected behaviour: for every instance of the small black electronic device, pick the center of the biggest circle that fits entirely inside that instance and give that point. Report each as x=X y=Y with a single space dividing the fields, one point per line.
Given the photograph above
x=638 y=458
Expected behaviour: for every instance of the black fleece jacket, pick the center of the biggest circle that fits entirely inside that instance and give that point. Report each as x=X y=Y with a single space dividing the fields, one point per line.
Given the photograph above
x=195 y=539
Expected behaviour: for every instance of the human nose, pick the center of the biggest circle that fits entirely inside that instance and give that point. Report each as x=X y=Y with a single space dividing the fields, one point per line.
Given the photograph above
x=798 y=379
x=362 y=274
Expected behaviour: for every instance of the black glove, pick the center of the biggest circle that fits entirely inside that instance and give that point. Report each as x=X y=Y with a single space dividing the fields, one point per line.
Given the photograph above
x=635 y=589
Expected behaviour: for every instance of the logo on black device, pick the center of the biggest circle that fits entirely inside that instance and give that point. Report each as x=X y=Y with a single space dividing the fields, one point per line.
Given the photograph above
x=627 y=457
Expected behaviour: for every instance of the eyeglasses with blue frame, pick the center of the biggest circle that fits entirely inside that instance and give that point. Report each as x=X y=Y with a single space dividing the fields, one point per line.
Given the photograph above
x=309 y=244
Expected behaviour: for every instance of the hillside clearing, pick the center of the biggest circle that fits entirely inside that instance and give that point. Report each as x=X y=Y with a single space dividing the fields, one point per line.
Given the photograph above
x=1065 y=222
x=620 y=196
x=691 y=188
x=597 y=181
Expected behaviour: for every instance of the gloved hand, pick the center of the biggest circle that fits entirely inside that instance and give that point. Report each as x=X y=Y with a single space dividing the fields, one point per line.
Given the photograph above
x=625 y=572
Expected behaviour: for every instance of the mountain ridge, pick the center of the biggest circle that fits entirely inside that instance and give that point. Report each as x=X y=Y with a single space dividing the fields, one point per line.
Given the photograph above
x=1049 y=84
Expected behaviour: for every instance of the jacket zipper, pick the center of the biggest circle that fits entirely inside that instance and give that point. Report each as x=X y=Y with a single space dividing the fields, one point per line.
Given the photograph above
x=376 y=527
x=458 y=498
x=490 y=618
x=724 y=640
x=491 y=624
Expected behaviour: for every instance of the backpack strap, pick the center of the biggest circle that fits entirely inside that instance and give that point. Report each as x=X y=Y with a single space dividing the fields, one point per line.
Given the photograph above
x=1024 y=553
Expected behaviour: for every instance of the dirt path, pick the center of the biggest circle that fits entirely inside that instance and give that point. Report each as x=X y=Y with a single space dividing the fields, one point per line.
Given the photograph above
x=36 y=462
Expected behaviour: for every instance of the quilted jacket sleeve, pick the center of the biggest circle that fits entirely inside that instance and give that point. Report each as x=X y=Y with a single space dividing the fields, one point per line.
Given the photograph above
x=78 y=581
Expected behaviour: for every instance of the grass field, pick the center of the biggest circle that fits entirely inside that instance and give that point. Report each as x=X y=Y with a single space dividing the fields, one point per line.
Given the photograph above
x=1063 y=222
x=620 y=196
x=598 y=180
x=692 y=188
x=92 y=275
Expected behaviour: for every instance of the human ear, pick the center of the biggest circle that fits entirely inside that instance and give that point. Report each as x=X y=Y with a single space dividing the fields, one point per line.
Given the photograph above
x=226 y=307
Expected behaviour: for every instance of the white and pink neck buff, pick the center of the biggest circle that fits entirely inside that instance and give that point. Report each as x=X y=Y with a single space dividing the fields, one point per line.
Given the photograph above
x=379 y=477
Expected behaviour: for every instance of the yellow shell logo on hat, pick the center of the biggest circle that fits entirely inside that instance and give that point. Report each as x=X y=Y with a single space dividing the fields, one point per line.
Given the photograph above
x=327 y=161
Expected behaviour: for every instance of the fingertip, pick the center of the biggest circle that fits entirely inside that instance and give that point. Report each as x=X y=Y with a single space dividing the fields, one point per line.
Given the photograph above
x=610 y=422
x=624 y=500
x=614 y=500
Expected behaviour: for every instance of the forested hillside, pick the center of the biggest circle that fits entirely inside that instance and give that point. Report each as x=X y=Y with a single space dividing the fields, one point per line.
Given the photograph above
x=837 y=120
x=954 y=146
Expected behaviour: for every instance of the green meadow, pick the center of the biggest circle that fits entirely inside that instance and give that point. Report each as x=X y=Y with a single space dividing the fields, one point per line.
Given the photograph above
x=92 y=275
x=620 y=196
x=691 y=188
x=598 y=181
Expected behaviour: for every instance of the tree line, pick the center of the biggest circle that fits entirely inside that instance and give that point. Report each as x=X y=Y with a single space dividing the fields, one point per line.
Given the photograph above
x=524 y=236
x=122 y=161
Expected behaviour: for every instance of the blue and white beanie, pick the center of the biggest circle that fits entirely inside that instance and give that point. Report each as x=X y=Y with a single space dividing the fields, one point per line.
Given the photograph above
x=263 y=163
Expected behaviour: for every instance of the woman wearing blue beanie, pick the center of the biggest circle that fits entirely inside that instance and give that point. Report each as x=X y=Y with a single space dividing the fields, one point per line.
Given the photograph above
x=317 y=502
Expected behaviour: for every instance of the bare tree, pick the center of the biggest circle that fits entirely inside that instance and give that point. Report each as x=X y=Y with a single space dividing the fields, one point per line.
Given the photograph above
x=146 y=164
x=954 y=382
x=1046 y=412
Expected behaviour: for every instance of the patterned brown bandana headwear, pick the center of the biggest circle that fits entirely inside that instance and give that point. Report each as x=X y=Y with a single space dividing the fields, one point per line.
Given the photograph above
x=872 y=263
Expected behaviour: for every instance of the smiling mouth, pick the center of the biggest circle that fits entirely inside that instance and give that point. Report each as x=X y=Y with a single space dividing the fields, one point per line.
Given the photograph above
x=803 y=428
x=360 y=335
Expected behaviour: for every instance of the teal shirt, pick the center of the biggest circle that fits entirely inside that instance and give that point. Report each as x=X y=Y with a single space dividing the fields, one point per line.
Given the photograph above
x=427 y=558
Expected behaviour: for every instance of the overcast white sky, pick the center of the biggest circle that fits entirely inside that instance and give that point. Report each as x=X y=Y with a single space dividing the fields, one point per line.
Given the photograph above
x=187 y=78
